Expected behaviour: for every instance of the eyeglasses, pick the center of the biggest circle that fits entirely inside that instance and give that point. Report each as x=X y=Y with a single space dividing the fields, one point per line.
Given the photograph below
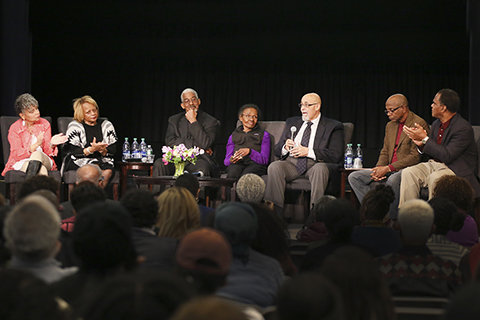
x=101 y=179
x=392 y=110
x=306 y=105
x=193 y=100
x=247 y=116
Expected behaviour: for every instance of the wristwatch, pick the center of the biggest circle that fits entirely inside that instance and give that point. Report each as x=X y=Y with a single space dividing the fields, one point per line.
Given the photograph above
x=424 y=140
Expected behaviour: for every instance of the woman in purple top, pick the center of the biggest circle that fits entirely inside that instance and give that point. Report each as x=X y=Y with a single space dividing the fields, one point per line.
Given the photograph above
x=248 y=148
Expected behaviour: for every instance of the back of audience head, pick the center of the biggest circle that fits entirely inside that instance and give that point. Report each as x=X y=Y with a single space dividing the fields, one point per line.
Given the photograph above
x=50 y=196
x=238 y=221
x=251 y=188
x=89 y=172
x=138 y=296
x=32 y=229
x=102 y=238
x=456 y=189
x=415 y=219
x=376 y=203
x=271 y=238
x=142 y=206
x=86 y=193
x=340 y=217
x=189 y=182
x=447 y=216
x=204 y=308
x=25 y=297
x=38 y=182
x=178 y=213
x=310 y=296
x=203 y=258
x=319 y=205
x=361 y=284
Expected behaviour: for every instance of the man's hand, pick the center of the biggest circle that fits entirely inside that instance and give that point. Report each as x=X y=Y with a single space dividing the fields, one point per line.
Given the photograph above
x=299 y=151
x=289 y=144
x=416 y=133
x=191 y=114
x=378 y=173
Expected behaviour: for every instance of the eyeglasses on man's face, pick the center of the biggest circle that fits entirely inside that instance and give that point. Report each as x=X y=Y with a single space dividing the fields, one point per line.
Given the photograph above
x=306 y=105
x=192 y=100
x=392 y=110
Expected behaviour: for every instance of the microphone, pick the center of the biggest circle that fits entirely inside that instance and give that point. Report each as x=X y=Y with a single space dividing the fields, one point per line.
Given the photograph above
x=293 y=129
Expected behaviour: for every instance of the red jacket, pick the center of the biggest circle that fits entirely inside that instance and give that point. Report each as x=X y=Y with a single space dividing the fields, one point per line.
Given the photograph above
x=20 y=141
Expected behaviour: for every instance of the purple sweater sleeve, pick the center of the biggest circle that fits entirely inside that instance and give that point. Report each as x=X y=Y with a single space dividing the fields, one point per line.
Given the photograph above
x=229 y=154
x=263 y=156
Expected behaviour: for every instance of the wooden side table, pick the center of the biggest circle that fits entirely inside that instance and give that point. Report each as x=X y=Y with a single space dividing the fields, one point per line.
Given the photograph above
x=343 y=183
x=226 y=184
x=125 y=166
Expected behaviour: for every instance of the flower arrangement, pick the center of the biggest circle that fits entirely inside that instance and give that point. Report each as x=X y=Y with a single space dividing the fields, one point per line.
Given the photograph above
x=179 y=155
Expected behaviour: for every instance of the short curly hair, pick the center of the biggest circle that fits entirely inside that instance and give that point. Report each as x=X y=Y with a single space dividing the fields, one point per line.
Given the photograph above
x=456 y=189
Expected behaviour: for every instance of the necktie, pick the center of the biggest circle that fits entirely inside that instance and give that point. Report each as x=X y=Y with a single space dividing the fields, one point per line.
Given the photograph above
x=302 y=162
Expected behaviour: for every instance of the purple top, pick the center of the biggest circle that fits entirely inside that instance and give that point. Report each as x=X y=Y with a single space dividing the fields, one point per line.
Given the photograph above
x=261 y=157
x=467 y=236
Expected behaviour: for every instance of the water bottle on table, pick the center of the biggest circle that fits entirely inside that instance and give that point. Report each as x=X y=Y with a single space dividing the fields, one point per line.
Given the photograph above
x=126 y=150
x=136 y=150
x=348 y=164
x=143 y=150
x=358 y=162
x=150 y=155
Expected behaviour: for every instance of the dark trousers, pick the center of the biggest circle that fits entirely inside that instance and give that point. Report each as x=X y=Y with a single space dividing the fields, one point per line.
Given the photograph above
x=236 y=170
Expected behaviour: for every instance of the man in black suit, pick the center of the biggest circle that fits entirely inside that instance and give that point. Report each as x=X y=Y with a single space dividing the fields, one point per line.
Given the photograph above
x=317 y=142
x=192 y=127
x=450 y=144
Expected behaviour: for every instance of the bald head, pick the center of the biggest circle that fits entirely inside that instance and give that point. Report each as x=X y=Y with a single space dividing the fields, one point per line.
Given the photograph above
x=310 y=106
x=396 y=107
x=89 y=172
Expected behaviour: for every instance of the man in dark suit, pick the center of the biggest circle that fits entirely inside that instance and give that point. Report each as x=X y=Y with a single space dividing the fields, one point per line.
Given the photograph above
x=450 y=144
x=317 y=141
x=192 y=127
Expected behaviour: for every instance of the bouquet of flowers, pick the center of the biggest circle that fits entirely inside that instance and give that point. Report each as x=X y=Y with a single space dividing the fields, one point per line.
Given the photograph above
x=179 y=155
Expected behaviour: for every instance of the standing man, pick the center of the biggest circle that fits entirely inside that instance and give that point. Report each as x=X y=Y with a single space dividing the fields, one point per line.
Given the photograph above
x=450 y=144
x=192 y=127
x=318 y=142
x=398 y=152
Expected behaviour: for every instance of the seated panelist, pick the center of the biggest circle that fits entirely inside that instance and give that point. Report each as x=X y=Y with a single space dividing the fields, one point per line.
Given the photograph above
x=193 y=128
x=90 y=140
x=32 y=146
x=307 y=145
x=248 y=148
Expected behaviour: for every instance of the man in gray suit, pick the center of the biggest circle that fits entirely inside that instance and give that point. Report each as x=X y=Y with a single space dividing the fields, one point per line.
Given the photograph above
x=317 y=143
x=450 y=144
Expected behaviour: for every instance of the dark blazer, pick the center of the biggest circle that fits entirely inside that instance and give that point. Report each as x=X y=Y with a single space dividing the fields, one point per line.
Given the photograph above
x=329 y=139
x=457 y=150
x=159 y=253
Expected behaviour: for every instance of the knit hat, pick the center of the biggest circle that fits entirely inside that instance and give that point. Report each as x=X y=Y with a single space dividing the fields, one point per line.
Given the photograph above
x=238 y=221
x=205 y=250
x=251 y=188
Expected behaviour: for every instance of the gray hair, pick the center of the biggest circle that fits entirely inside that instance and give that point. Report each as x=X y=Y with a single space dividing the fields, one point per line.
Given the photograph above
x=85 y=173
x=187 y=91
x=32 y=229
x=250 y=188
x=415 y=218
x=25 y=102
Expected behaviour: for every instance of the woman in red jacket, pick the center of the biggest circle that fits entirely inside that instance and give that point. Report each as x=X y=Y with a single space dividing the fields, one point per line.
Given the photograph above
x=32 y=146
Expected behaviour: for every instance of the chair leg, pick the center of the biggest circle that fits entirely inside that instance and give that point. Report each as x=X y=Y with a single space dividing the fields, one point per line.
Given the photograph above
x=70 y=188
x=115 y=191
x=13 y=194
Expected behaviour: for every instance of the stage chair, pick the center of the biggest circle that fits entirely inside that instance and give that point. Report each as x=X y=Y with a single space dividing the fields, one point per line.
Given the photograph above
x=15 y=177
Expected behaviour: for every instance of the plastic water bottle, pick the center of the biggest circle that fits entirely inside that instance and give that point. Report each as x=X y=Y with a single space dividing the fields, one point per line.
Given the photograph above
x=150 y=154
x=143 y=150
x=348 y=157
x=126 y=150
x=136 y=150
x=358 y=162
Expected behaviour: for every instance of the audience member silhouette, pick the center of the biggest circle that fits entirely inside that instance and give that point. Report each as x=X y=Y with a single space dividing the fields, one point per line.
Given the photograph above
x=190 y=182
x=204 y=308
x=373 y=235
x=158 y=252
x=414 y=270
x=32 y=235
x=254 y=278
x=340 y=217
